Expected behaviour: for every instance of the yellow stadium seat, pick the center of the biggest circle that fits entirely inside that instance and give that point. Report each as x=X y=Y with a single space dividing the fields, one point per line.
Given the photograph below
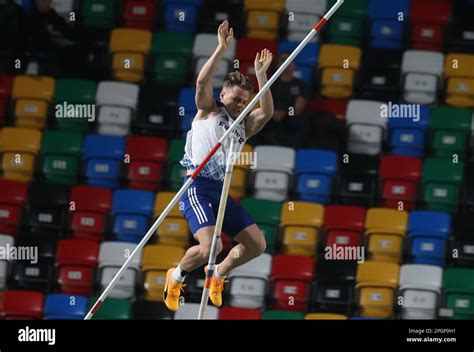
x=174 y=230
x=325 y=316
x=337 y=83
x=376 y=283
x=162 y=200
x=237 y=183
x=458 y=70
x=129 y=48
x=275 y=5
x=301 y=222
x=156 y=260
x=385 y=229
x=32 y=96
x=262 y=24
x=337 y=64
x=19 y=147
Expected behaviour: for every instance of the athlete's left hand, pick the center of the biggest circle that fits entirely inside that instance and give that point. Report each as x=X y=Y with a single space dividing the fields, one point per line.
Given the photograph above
x=263 y=61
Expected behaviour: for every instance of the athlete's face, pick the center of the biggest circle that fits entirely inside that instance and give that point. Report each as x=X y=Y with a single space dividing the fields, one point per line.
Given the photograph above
x=234 y=99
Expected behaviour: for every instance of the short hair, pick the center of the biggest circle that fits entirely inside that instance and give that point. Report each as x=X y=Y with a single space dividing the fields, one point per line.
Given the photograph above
x=237 y=78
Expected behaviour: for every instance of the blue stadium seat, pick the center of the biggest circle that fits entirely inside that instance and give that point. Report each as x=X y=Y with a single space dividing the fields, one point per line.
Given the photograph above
x=308 y=56
x=188 y=105
x=180 y=17
x=103 y=155
x=408 y=136
x=387 y=30
x=61 y=306
x=132 y=210
x=427 y=235
x=314 y=170
x=28 y=5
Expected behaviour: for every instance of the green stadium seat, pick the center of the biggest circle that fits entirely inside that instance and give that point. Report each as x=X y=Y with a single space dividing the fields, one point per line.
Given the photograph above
x=282 y=315
x=61 y=154
x=458 y=289
x=176 y=172
x=347 y=26
x=98 y=13
x=112 y=309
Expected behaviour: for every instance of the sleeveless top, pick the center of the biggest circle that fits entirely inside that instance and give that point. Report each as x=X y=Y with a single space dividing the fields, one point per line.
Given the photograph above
x=204 y=135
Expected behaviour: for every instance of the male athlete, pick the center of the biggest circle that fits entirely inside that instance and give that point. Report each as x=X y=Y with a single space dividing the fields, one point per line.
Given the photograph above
x=201 y=201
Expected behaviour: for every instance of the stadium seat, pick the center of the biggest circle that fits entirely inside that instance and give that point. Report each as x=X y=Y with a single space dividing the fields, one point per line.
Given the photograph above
x=358 y=179
x=129 y=49
x=6 y=86
x=385 y=230
x=450 y=136
x=459 y=35
x=428 y=20
x=337 y=107
x=419 y=291
x=246 y=160
x=387 y=23
x=266 y=214
x=281 y=315
x=427 y=234
x=31 y=97
x=303 y=17
x=171 y=57
x=460 y=80
x=333 y=286
x=301 y=224
x=263 y=18
x=60 y=306
x=24 y=305
x=366 y=125
x=112 y=309
x=190 y=311
x=324 y=316
x=147 y=310
x=305 y=61
x=212 y=13
x=422 y=72
x=146 y=158
x=176 y=172
x=91 y=206
x=343 y=225
x=441 y=190
x=180 y=17
x=112 y=255
x=376 y=283
x=140 y=14
x=174 y=230
x=458 y=292
x=246 y=50
x=131 y=211
x=461 y=241
x=379 y=76
x=408 y=136
x=6 y=241
x=347 y=27
x=98 y=13
x=116 y=104
x=399 y=177
x=156 y=260
x=75 y=91
x=13 y=195
x=19 y=148
x=338 y=65
x=315 y=170
x=76 y=260
x=291 y=276
x=273 y=172
x=233 y=313
x=61 y=151
x=249 y=283
x=103 y=156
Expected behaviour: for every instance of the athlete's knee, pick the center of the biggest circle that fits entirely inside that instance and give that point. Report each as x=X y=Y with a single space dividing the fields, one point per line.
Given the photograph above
x=205 y=250
x=260 y=243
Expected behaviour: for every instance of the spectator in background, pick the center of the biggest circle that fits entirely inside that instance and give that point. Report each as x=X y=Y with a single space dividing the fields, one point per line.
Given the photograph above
x=289 y=126
x=13 y=28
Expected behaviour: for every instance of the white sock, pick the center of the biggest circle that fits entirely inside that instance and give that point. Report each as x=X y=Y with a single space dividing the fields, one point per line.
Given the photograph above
x=177 y=276
x=216 y=274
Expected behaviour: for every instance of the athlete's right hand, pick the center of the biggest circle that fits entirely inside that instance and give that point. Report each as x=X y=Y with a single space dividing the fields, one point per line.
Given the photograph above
x=225 y=34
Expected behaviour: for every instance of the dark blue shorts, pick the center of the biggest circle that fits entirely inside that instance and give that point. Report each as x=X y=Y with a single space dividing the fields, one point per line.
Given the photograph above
x=200 y=205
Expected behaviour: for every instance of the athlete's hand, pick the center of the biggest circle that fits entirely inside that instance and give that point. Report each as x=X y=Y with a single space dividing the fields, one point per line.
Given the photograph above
x=225 y=34
x=263 y=61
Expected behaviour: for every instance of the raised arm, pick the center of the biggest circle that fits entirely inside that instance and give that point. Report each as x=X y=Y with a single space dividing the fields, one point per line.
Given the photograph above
x=259 y=117
x=204 y=97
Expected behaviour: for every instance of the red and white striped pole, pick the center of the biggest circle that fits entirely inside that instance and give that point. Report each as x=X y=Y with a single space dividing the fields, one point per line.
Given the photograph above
x=191 y=179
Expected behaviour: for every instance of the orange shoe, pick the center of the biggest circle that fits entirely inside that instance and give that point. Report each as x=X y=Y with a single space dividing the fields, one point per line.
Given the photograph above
x=215 y=291
x=172 y=291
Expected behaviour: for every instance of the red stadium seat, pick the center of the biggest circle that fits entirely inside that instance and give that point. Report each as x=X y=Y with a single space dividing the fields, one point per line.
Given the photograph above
x=77 y=260
x=428 y=19
x=140 y=14
x=21 y=305
x=291 y=276
x=399 y=176
x=91 y=206
x=147 y=156
x=234 y=313
x=6 y=85
x=335 y=106
x=12 y=198
x=247 y=48
x=344 y=225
